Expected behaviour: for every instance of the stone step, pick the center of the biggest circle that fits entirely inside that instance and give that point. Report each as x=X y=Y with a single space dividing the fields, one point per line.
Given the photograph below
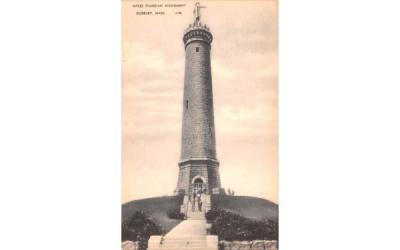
x=182 y=248
x=165 y=241
x=183 y=244
x=179 y=248
x=186 y=237
x=183 y=241
x=196 y=216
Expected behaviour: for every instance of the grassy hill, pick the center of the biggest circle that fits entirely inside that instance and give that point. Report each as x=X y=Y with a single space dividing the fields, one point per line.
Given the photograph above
x=250 y=207
x=155 y=207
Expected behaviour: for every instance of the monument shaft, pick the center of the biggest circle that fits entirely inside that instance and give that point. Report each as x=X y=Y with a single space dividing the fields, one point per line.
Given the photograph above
x=198 y=165
x=198 y=133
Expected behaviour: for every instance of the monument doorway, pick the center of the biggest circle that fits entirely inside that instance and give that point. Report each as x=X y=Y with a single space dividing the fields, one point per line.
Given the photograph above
x=198 y=184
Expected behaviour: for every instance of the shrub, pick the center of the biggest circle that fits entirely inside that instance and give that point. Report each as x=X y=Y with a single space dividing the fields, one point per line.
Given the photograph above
x=231 y=226
x=273 y=228
x=140 y=227
x=175 y=213
x=213 y=213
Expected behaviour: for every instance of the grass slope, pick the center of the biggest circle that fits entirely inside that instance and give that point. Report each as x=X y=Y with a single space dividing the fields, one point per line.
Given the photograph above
x=155 y=207
x=250 y=207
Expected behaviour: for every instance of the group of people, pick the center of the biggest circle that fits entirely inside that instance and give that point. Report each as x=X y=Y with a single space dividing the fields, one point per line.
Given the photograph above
x=196 y=198
x=231 y=192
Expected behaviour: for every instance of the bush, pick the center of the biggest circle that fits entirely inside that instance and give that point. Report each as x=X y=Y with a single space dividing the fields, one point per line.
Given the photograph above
x=139 y=228
x=231 y=226
x=175 y=213
x=213 y=213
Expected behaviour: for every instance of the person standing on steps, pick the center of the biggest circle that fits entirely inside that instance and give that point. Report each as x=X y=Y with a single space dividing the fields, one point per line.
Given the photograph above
x=199 y=202
x=189 y=200
x=194 y=201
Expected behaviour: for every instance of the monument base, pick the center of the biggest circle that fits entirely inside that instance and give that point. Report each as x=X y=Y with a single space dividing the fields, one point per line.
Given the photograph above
x=218 y=191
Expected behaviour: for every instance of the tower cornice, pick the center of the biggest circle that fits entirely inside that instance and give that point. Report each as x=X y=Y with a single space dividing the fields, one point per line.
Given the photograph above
x=197 y=32
x=213 y=162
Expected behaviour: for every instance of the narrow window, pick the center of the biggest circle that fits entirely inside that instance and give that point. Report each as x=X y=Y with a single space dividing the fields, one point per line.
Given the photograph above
x=187 y=104
x=197 y=49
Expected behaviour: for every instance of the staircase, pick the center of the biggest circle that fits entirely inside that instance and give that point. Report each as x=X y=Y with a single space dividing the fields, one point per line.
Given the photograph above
x=196 y=215
x=190 y=234
x=185 y=242
x=208 y=242
x=187 y=207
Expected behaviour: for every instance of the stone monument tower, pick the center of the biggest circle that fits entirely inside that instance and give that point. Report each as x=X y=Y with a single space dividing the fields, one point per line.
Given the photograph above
x=198 y=165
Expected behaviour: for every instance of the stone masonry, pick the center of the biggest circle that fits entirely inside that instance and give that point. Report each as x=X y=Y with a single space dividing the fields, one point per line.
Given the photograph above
x=198 y=161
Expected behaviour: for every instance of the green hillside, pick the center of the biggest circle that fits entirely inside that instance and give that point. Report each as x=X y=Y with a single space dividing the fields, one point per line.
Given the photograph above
x=250 y=207
x=155 y=207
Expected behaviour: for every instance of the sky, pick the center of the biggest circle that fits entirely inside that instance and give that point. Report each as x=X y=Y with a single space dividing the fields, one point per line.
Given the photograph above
x=244 y=64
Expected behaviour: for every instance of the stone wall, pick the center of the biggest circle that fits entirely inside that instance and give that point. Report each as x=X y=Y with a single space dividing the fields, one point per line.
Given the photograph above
x=249 y=245
x=213 y=177
x=130 y=245
x=184 y=178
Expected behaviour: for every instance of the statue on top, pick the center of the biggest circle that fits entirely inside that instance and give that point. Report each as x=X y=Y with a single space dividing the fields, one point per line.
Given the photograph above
x=196 y=13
